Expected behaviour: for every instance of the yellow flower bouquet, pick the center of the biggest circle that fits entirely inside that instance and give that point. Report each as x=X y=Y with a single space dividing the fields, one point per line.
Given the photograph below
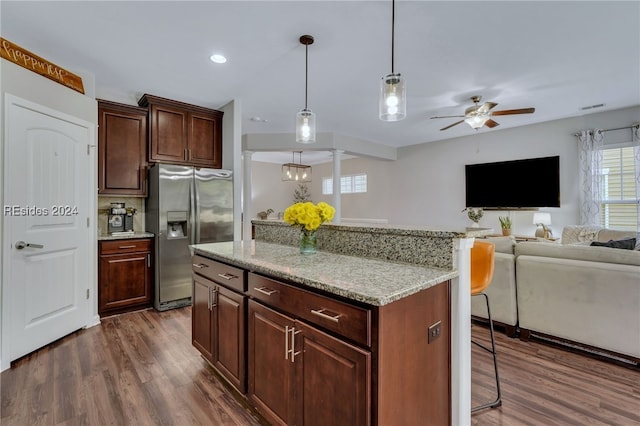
x=308 y=217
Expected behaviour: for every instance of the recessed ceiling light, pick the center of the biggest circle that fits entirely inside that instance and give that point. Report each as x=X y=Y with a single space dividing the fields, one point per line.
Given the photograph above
x=218 y=59
x=259 y=119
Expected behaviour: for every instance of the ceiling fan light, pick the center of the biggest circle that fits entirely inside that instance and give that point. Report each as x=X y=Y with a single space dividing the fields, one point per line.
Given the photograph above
x=305 y=126
x=477 y=121
x=393 y=99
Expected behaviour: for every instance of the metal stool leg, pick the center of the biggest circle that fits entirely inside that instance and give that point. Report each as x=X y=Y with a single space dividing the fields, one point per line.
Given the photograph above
x=498 y=400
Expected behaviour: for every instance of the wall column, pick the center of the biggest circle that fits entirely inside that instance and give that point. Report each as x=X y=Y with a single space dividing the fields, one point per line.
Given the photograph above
x=461 y=335
x=246 y=195
x=336 y=185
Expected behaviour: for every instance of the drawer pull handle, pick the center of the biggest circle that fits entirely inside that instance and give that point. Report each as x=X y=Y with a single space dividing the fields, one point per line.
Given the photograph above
x=321 y=314
x=126 y=247
x=227 y=276
x=200 y=266
x=265 y=290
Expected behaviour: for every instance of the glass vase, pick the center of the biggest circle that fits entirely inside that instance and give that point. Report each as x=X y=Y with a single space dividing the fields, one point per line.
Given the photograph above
x=308 y=242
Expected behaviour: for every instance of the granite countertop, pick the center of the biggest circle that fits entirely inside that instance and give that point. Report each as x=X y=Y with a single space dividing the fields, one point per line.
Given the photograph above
x=371 y=281
x=104 y=237
x=384 y=228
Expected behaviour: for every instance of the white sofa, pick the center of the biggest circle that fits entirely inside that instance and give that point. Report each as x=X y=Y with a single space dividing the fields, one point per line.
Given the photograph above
x=571 y=291
x=583 y=294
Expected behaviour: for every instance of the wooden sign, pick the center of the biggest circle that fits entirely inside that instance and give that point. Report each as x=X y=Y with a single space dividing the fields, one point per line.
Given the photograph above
x=35 y=63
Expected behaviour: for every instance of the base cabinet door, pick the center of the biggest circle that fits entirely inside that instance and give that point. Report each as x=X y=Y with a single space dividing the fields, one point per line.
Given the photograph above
x=218 y=329
x=124 y=276
x=229 y=336
x=202 y=317
x=333 y=379
x=271 y=372
x=299 y=375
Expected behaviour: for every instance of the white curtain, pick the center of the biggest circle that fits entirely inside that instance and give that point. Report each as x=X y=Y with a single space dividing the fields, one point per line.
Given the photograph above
x=591 y=145
x=635 y=142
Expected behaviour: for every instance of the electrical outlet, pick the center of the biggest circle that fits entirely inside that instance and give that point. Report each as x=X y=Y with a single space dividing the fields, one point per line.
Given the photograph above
x=435 y=330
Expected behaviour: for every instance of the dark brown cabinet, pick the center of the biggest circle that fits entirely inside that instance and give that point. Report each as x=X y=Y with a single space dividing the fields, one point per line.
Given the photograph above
x=271 y=373
x=181 y=133
x=218 y=318
x=300 y=375
x=122 y=149
x=124 y=275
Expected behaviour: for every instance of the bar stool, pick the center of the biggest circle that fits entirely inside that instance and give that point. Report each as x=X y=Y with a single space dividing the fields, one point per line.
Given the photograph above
x=482 y=264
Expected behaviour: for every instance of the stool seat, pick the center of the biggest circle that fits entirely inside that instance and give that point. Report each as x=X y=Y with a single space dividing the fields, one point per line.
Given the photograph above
x=482 y=266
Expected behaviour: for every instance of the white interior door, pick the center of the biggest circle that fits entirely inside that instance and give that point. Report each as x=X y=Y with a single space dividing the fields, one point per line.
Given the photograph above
x=46 y=202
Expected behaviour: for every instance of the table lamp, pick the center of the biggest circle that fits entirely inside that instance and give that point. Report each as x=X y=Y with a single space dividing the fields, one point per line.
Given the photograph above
x=542 y=220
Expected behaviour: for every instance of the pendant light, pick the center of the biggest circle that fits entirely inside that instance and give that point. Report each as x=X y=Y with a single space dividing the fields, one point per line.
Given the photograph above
x=305 y=119
x=393 y=100
x=296 y=172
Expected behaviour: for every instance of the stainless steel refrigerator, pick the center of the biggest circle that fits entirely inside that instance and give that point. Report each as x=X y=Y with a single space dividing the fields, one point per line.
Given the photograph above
x=185 y=206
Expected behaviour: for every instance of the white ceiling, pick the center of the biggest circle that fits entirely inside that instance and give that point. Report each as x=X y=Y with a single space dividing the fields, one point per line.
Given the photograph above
x=555 y=56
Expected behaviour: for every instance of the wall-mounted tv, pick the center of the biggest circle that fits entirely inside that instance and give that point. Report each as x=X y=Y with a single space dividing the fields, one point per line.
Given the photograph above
x=527 y=183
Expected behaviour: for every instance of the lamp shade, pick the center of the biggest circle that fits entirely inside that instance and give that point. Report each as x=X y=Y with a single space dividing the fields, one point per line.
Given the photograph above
x=305 y=126
x=542 y=219
x=393 y=99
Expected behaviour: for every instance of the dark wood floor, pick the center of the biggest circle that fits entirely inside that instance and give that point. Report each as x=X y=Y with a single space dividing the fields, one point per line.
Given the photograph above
x=140 y=369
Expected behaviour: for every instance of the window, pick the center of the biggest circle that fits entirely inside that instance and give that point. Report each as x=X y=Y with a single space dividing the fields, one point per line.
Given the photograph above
x=348 y=184
x=618 y=182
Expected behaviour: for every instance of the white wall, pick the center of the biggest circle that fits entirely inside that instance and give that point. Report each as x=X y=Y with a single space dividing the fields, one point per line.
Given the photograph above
x=425 y=185
x=268 y=191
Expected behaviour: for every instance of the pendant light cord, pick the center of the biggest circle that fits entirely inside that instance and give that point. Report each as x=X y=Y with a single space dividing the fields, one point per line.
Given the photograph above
x=306 y=74
x=393 y=27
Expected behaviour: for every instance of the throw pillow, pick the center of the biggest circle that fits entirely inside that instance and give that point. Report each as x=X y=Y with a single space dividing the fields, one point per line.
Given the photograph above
x=626 y=244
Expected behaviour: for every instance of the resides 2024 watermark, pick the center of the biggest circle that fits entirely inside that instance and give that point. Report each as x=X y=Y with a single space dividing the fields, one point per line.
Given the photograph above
x=55 y=210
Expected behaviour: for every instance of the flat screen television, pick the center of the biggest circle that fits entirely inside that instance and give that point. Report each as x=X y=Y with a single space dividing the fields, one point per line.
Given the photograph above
x=517 y=184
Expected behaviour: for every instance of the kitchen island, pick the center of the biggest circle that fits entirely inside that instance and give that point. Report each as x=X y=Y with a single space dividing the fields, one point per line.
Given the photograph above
x=336 y=338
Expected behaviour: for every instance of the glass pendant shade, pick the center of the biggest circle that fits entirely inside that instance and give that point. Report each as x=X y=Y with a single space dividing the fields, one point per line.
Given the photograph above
x=305 y=126
x=393 y=99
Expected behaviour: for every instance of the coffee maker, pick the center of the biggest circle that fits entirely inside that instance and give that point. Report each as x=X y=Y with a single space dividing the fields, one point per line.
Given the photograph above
x=117 y=215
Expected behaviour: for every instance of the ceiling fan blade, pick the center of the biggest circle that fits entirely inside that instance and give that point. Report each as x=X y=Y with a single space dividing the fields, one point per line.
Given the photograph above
x=448 y=116
x=451 y=125
x=485 y=107
x=490 y=123
x=514 y=111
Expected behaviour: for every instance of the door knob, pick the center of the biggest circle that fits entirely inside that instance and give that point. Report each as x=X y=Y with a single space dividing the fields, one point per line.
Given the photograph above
x=21 y=244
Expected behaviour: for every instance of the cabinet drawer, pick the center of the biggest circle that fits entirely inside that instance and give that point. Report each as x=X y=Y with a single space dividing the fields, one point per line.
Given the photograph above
x=125 y=246
x=219 y=272
x=347 y=320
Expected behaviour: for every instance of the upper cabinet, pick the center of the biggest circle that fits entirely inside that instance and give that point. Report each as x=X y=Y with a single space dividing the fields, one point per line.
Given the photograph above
x=122 y=149
x=181 y=133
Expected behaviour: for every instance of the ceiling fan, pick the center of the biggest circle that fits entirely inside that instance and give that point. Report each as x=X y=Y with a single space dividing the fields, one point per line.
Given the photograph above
x=478 y=115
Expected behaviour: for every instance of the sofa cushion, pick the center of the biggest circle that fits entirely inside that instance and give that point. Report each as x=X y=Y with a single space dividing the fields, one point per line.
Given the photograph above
x=578 y=233
x=503 y=244
x=579 y=252
x=626 y=244
x=605 y=235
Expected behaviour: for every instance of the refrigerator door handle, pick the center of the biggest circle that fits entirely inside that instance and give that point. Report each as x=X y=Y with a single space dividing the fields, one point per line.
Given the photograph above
x=192 y=211
x=196 y=204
